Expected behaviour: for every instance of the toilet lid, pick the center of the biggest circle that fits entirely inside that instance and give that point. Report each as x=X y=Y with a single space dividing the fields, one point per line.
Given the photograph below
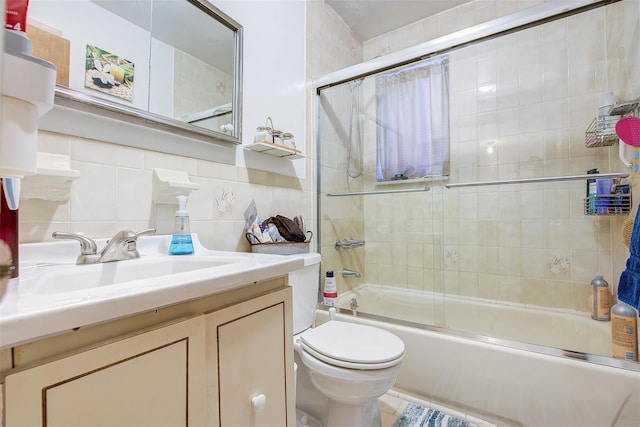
x=353 y=346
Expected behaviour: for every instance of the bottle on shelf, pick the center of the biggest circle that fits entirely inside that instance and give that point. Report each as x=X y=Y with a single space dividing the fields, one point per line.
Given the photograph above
x=600 y=300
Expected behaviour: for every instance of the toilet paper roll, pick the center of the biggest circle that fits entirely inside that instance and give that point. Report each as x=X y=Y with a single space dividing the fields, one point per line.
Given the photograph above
x=19 y=144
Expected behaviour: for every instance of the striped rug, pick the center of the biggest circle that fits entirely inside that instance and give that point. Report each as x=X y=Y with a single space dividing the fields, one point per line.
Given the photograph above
x=418 y=416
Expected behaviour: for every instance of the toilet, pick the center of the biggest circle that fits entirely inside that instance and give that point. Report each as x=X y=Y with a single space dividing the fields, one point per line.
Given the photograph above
x=347 y=366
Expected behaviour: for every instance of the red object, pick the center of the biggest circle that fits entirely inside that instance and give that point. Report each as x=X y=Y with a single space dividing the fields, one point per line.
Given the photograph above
x=16 y=15
x=9 y=230
x=628 y=130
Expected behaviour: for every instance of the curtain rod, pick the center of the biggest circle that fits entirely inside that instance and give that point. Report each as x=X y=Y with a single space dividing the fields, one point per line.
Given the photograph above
x=365 y=193
x=541 y=179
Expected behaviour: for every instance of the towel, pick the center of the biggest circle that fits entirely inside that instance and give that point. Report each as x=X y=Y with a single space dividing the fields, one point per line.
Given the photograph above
x=629 y=283
x=417 y=416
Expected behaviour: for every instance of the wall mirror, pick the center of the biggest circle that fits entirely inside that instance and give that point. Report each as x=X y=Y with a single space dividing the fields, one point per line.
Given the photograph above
x=173 y=65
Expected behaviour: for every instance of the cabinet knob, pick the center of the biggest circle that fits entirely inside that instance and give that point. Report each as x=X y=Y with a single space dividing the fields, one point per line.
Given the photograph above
x=259 y=402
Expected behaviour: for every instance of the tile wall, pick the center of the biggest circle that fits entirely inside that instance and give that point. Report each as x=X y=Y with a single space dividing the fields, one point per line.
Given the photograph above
x=526 y=245
x=115 y=187
x=330 y=47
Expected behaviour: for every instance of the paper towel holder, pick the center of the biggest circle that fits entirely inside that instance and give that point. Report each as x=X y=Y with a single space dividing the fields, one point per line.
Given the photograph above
x=28 y=87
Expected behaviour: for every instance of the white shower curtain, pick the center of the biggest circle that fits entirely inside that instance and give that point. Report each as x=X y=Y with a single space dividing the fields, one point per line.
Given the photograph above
x=413 y=121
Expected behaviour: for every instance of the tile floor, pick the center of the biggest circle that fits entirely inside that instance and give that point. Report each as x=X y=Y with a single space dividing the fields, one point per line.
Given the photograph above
x=393 y=403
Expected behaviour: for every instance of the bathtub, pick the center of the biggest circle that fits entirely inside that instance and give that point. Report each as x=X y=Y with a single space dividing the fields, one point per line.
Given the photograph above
x=515 y=383
x=573 y=331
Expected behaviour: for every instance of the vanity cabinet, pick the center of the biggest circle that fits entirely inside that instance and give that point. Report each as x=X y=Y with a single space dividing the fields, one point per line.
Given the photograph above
x=251 y=356
x=152 y=379
x=225 y=361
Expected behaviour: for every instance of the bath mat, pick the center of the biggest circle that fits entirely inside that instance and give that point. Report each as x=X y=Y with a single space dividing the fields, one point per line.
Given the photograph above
x=418 y=416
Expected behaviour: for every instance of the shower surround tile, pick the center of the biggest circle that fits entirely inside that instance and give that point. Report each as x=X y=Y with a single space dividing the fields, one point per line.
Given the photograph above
x=519 y=109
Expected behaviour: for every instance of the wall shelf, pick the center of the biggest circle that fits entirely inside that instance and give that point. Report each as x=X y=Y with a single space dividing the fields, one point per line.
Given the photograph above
x=602 y=130
x=608 y=204
x=275 y=150
x=52 y=180
x=169 y=184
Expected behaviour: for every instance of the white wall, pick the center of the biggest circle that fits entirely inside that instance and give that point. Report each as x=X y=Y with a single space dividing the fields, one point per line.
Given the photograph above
x=273 y=73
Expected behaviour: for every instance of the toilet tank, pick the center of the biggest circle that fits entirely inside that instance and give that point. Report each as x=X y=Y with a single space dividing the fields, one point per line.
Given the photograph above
x=305 y=284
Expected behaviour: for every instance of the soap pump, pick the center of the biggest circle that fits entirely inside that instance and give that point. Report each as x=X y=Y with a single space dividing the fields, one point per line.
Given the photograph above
x=181 y=243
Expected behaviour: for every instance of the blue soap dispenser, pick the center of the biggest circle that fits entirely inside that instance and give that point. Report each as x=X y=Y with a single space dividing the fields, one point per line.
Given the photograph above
x=181 y=243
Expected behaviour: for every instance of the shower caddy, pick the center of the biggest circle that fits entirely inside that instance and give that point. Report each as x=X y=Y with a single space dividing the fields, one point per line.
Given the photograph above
x=602 y=133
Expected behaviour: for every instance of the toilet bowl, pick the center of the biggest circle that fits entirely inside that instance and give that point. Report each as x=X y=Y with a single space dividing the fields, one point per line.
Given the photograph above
x=349 y=365
x=353 y=365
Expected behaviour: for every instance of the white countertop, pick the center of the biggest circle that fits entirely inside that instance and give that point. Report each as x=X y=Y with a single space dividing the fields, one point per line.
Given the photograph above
x=29 y=313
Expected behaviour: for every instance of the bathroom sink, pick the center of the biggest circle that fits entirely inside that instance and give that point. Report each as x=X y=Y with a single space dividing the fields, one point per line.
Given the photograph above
x=83 y=277
x=53 y=294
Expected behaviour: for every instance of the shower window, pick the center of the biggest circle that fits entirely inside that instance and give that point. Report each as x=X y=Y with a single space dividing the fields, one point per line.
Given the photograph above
x=412 y=121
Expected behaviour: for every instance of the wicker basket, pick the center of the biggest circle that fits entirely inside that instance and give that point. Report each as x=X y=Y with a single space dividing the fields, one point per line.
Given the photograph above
x=280 y=248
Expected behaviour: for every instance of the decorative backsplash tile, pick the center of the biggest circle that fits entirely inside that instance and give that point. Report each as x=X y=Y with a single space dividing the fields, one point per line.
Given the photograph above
x=559 y=265
x=224 y=202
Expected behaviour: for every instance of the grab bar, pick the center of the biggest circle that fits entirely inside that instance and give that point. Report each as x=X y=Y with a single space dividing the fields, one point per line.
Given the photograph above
x=541 y=179
x=349 y=244
x=365 y=193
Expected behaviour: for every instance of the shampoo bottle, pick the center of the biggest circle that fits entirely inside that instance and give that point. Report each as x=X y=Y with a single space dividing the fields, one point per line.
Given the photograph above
x=600 y=305
x=181 y=243
x=591 y=192
x=330 y=294
x=624 y=332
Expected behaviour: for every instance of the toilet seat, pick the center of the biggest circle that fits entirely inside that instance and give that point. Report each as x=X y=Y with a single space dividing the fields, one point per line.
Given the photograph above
x=353 y=346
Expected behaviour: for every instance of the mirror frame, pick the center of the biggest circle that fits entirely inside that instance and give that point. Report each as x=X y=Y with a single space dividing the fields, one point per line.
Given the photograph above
x=74 y=99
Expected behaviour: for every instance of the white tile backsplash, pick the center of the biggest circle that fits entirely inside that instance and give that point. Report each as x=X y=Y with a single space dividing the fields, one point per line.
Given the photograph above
x=133 y=194
x=93 y=197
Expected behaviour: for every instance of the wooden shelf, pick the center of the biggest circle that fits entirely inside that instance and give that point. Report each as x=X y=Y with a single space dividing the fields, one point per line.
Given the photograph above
x=275 y=150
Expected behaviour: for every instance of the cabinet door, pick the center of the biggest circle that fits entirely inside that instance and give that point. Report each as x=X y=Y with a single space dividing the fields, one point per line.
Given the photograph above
x=151 y=379
x=253 y=363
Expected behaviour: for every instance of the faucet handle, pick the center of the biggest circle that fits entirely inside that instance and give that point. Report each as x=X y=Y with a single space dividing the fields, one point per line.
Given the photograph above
x=131 y=237
x=145 y=232
x=87 y=245
x=88 y=248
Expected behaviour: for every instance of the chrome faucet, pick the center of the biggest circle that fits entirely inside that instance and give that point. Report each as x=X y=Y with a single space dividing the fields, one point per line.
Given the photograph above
x=350 y=273
x=123 y=245
x=120 y=247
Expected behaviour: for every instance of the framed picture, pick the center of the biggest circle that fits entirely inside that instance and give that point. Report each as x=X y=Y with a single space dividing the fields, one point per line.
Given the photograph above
x=108 y=73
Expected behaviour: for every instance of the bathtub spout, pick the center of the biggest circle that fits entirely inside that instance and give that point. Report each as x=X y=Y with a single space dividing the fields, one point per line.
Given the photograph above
x=350 y=273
